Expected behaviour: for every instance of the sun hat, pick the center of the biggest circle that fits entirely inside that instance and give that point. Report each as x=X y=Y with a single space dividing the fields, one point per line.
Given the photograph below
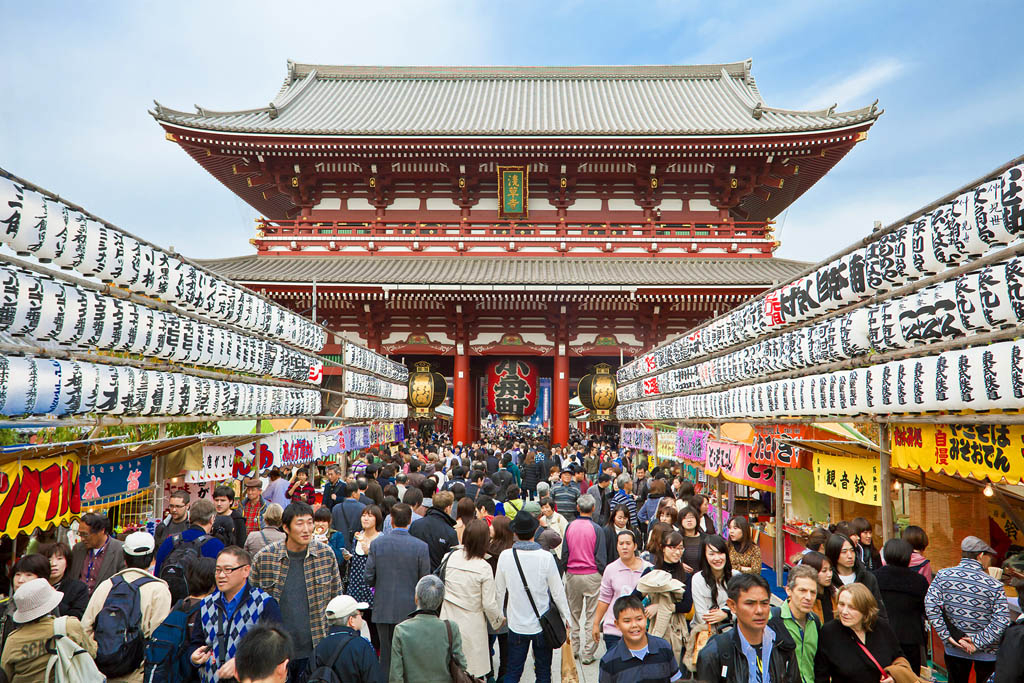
x=343 y=606
x=34 y=599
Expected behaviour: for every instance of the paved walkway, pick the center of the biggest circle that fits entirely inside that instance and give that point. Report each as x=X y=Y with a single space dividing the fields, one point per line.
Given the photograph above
x=590 y=672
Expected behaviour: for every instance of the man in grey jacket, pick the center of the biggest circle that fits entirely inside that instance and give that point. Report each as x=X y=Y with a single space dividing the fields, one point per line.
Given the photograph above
x=98 y=555
x=397 y=561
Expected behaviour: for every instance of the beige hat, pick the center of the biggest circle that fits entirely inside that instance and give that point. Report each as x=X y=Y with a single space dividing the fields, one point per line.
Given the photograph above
x=35 y=599
x=343 y=606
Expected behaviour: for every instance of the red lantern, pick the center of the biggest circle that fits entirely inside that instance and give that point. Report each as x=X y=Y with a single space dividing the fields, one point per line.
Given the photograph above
x=512 y=388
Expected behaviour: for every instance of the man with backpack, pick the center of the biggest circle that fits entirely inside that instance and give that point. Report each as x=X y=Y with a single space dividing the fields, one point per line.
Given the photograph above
x=124 y=611
x=344 y=655
x=178 y=551
x=26 y=654
x=227 y=614
x=167 y=652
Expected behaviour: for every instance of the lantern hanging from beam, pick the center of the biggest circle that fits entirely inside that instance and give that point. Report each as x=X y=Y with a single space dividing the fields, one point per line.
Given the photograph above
x=512 y=388
x=597 y=391
x=427 y=390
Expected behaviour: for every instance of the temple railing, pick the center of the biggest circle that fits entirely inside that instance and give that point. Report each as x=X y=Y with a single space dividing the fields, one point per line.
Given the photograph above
x=719 y=238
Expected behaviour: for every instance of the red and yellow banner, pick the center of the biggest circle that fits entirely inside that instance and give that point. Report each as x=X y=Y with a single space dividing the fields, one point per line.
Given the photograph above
x=856 y=479
x=982 y=452
x=733 y=461
x=39 y=494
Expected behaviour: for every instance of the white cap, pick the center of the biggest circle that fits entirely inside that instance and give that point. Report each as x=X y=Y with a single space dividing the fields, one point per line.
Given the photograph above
x=343 y=606
x=139 y=543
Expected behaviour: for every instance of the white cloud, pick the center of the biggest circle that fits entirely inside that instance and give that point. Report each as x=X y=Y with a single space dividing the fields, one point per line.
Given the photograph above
x=853 y=90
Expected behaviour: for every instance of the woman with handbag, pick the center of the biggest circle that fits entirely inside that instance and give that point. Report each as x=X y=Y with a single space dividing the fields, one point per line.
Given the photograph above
x=371 y=520
x=858 y=646
x=469 y=597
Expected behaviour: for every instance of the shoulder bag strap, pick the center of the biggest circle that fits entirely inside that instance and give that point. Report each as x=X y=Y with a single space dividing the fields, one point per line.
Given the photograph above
x=525 y=585
x=60 y=626
x=338 y=652
x=451 y=643
x=444 y=564
x=871 y=657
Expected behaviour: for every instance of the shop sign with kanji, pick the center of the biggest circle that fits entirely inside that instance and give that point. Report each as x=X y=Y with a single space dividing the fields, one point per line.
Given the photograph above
x=982 y=452
x=855 y=479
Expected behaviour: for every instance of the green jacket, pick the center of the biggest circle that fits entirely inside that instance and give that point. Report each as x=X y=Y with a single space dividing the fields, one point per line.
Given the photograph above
x=806 y=639
x=419 y=649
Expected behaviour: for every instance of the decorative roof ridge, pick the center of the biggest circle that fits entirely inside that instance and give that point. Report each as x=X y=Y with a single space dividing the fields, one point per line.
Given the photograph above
x=245 y=258
x=869 y=110
x=160 y=111
x=594 y=72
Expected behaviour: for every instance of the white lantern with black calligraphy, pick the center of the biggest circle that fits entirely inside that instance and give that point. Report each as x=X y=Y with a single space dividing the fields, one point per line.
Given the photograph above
x=995 y=297
x=18 y=391
x=54 y=231
x=1012 y=199
x=48 y=375
x=25 y=232
x=969 y=303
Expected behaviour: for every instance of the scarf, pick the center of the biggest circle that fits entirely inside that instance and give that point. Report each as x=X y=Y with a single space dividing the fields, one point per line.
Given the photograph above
x=225 y=642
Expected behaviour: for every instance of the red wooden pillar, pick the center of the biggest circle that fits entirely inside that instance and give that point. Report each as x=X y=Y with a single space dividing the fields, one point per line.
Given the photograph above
x=462 y=401
x=560 y=397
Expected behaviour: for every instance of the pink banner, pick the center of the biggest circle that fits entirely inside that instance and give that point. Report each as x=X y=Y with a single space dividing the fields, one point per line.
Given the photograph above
x=733 y=461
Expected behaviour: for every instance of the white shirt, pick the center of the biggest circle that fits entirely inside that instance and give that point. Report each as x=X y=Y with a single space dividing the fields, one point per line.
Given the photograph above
x=702 y=597
x=850 y=578
x=541 y=575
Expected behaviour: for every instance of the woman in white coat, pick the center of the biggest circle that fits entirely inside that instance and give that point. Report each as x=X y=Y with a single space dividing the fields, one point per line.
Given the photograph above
x=469 y=596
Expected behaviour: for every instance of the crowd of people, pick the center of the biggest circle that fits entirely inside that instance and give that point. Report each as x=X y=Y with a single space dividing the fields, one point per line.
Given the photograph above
x=444 y=558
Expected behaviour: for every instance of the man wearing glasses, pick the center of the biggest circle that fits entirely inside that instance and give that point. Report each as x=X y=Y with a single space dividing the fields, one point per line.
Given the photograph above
x=227 y=614
x=177 y=506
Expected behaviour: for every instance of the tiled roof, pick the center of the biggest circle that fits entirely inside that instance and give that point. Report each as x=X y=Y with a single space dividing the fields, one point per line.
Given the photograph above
x=714 y=99
x=495 y=272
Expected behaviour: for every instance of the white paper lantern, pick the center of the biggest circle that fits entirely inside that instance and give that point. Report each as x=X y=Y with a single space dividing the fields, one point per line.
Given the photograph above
x=923 y=261
x=995 y=297
x=148 y=280
x=112 y=255
x=127 y=272
x=28 y=307
x=73 y=253
x=72 y=321
x=48 y=386
x=54 y=231
x=25 y=234
x=1012 y=199
x=969 y=303
x=52 y=310
x=19 y=388
x=90 y=378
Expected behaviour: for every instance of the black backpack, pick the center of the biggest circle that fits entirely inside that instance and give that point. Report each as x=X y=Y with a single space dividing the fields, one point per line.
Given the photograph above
x=166 y=658
x=120 y=645
x=182 y=555
x=325 y=673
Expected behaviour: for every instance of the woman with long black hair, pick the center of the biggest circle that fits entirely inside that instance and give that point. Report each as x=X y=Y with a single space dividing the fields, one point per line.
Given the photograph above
x=744 y=554
x=825 y=605
x=709 y=583
x=847 y=569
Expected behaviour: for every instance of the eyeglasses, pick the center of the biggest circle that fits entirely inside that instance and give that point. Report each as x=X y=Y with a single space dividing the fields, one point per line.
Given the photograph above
x=176 y=507
x=224 y=571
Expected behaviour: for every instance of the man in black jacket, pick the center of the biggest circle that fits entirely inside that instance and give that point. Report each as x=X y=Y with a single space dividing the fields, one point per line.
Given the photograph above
x=437 y=528
x=1010 y=660
x=757 y=641
x=334 y=489
x=229 y=526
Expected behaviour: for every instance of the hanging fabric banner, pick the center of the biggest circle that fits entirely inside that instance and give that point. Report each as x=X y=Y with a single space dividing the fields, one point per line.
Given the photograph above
x=732 y=461
x=855 y=479
x=639 y=438
x=771 y=448
x=296 y=448
x=38 y=494
x=666 y=445
x=692 y=445
x=121 y=479
x=251 y=459
x=982 y=452
x=217 y=463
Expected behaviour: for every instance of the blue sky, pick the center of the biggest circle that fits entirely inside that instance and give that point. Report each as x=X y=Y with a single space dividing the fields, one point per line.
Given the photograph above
x=80 y=78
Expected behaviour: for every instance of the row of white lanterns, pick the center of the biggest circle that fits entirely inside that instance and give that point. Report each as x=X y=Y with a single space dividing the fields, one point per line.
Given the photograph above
x=976 y=379
x=359 y=409
x=35 y=224
x=985 y=300
x=367 y=385
x=58 y=388
x=986 y=217
x=46 y=309
x=364 y=359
